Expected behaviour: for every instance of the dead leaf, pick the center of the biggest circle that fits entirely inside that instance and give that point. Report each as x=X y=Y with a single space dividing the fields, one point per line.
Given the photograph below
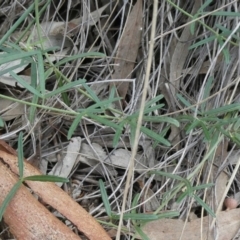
x=63 y=168
x=10 y=109
x=176 y=66
x=93 y=17
x=128 y=49
x=228 y=224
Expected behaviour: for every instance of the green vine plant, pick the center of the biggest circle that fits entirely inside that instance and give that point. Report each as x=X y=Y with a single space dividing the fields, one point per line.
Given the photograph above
x=138 y=219
x=218 y=32
x=224 y=120
x=42 y=67
x=22 y=179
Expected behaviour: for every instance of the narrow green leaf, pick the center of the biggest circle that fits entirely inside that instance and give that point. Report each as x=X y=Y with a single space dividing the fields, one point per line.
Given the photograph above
x=200 y=10
x=105 y=198
x=41 y=73
x=203 y=186
x=1 y=122
x=21 y=18
x=5 y=58
x=223 y=110
x=226 y=32
x=103 y=121
x=102 y=104
x=153 y=108
x=26 y=85
x=182 y=196
x=204 y=205
x=225 y=14
x=137 y=216
x=33 y=108
x=20 y=154
x=83 y=55
x=206 y=93
x=155 y=136
x=46 y=178
x=194 y=124
x=64 y=88
x=8 y=198
x=205 y=131
x=202 y=42
x=225 y=51
x=141 y=233
x=146 y=217
x=187 y=103
x=236 y=126
x=91 y=93
x=74 y=125
x=154 y=100
x=118 y=134
x=48 y=73
x=34 y=73
x=168 y=175
x=132 y=125
x=161 y=119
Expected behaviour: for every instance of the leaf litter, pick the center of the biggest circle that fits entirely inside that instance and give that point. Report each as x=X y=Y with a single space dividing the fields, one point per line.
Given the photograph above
x=121 y=31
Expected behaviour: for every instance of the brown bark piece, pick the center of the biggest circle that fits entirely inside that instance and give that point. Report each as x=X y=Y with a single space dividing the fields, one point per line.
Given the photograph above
x=26 y=217
x=59 y=200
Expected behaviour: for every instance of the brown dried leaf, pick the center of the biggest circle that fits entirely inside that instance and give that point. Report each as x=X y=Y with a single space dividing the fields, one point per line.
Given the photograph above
x=228 y=224
x=128 y=48
x=176 y=67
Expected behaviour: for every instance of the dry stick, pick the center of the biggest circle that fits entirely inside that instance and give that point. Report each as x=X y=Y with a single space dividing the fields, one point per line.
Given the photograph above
x=139 y=122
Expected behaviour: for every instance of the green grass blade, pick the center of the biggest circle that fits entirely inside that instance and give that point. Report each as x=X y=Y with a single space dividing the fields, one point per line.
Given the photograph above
x=203 y=186
x=223 y=110
x=200 y=10
x=5 y=58
x=205 y=131
x=226 y=14
x=65 y=88
x=105 y=198
x=8 y=198
x=46 y=178
x=206 y=93
x=118 y=133
x=26 y=85
x=194 y=124
x=103 y=121
x=22 y=18
x=225 y=51
x=34 y=74
x=161 y=119
x=141 y=233
x=154 y=100
x=155 y=136
x=187 y=103
x=74 y=125
x=205 y=206
x=83 y=55
x=20 y=154
x=91 y=93
x=1 y=122
x=41 y=73
x=202 y=42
